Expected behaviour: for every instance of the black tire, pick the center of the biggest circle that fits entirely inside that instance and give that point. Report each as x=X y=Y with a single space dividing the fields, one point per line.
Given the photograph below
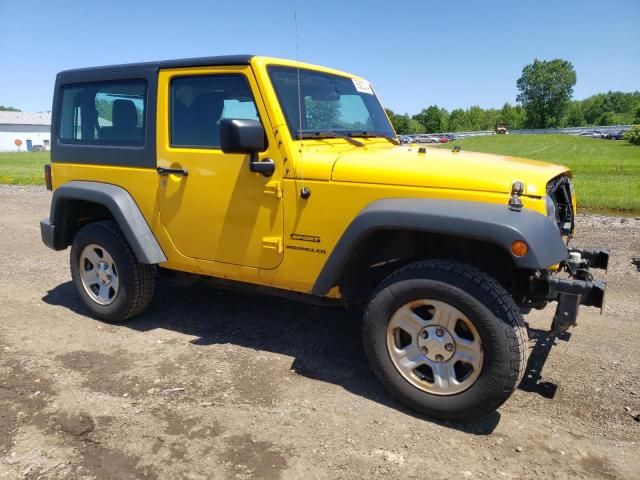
x=484 y=302
x=136 y=280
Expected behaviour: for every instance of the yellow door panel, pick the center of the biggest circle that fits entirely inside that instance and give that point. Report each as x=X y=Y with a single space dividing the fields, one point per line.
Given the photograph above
x=220 y=211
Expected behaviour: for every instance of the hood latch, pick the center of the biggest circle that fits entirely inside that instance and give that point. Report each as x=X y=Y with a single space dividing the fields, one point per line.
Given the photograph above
x=517 y=189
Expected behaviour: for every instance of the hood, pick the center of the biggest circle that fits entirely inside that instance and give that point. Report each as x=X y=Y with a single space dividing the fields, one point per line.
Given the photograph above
x=442 y=168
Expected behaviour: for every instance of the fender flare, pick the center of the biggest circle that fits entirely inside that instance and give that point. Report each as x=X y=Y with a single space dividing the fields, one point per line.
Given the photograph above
x=120 y=204
x=491 y=223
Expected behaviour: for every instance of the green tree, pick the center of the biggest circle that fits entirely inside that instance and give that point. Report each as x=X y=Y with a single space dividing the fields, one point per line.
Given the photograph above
x=475 y=116
x=415 y=127
x=512 y=116
x=633 y=135
x=575 y=117
x=400 y=123
x=8 y=109
x=105 y=109
x=490 y=117
x=433 y=119
x=546 y=88
x=609 y=118
x=616 y=107
x=458 y=120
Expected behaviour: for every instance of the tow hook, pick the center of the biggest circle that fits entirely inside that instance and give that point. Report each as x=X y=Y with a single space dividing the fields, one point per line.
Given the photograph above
x=570 y=294
x=580 y=289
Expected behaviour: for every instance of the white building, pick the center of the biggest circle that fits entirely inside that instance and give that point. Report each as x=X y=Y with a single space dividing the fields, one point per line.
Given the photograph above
x=30 y=128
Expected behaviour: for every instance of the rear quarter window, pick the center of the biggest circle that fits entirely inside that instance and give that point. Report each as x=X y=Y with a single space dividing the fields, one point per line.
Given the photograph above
x=104 y=113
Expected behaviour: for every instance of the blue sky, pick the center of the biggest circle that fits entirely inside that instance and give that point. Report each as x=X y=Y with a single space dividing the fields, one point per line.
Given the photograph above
x=416 y=53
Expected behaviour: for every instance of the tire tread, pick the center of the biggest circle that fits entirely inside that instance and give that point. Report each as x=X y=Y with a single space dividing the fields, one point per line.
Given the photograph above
x=498 y=300
x=141 y=292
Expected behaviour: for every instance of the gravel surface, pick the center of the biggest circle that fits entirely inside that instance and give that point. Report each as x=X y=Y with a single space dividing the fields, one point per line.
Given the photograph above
x=213 y=384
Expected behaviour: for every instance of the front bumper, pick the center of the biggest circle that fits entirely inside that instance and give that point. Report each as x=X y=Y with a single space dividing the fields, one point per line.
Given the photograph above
x=579 y=289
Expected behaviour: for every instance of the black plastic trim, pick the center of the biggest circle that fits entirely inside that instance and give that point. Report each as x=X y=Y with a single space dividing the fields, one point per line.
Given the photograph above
x=123 y=208
x=496 y=224
x=100 y=154
x=129 y=156
x=214 y=61
x=48 y=234
x=591 y=293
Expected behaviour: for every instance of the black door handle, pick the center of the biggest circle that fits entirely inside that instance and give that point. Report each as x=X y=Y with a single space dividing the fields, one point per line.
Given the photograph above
x=172 y=171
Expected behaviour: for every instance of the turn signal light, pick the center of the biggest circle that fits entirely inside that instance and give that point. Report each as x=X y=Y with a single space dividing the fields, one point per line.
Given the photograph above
x=519 y=248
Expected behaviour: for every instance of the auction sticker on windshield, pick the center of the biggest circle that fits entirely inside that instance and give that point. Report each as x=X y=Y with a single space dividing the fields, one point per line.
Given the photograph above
x=362 y=86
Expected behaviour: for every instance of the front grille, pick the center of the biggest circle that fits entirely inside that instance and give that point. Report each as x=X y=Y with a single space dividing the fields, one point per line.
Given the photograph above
x=559 y=189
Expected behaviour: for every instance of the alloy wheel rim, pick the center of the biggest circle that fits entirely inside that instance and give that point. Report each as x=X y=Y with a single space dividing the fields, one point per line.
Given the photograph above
x=435 y=347
x=99 y=274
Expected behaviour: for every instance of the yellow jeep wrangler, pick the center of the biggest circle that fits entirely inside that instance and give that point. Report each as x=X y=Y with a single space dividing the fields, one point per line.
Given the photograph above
x=288 y=178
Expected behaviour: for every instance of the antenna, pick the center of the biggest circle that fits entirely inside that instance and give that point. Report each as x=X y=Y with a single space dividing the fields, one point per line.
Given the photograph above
x=304 y=191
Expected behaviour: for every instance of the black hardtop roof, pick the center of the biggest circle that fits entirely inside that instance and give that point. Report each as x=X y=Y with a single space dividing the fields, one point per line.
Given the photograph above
x=130 y=68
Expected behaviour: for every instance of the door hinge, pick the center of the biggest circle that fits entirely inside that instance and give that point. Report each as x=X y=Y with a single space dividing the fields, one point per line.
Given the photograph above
x=272 y=243
x=273 y=188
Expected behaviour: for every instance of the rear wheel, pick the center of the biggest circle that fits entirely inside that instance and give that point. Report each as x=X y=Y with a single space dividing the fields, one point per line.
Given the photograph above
x=445 y=339
x=111 y=283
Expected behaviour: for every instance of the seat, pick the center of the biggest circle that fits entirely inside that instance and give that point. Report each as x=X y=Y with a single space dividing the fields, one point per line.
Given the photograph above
x=205 y=112
x=124 y=118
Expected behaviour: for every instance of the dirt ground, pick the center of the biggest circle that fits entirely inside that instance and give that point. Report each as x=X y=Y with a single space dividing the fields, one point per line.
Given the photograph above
x=213 y=384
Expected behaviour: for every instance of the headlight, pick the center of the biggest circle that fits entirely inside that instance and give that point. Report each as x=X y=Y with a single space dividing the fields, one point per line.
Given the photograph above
x=552 y=212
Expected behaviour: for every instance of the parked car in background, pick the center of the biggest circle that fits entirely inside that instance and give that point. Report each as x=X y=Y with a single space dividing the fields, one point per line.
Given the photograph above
x=425 y=139
x=405 y=139
x=38 y=148
x=592 y=134
x=442 y=139
x=616 y=135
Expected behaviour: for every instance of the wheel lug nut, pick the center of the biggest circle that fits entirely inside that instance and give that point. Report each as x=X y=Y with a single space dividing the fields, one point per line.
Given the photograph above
x=448 y=347
x=425 y=334
x=439 y=358
x=425 y=350
x=440 y=332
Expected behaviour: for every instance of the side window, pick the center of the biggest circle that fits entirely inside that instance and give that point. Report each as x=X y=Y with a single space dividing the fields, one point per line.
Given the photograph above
x=198 y=103
x=105 y=113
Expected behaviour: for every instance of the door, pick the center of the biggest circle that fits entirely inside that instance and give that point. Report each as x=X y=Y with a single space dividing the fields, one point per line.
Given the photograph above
x=220 y=211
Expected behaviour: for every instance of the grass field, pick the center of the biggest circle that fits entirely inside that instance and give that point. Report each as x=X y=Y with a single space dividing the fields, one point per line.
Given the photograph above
x=606 y=172
x=23 y=168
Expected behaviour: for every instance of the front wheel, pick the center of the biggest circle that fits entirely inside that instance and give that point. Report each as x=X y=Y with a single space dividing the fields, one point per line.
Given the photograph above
x=111 y=282
x=445 y=339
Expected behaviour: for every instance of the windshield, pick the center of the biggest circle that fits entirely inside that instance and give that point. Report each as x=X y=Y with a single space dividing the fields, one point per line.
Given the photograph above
x=329 y=104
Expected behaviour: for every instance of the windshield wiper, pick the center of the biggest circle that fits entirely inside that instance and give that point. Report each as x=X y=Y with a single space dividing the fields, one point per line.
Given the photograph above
x=374 y=134
x=331 y=134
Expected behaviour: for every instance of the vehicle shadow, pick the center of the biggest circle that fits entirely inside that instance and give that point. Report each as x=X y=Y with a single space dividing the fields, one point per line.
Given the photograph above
x=543 y=343
x=324 y=341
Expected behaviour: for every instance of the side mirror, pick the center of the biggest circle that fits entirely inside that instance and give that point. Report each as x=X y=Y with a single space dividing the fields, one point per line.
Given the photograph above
x=246 y=136
x=241 y=136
